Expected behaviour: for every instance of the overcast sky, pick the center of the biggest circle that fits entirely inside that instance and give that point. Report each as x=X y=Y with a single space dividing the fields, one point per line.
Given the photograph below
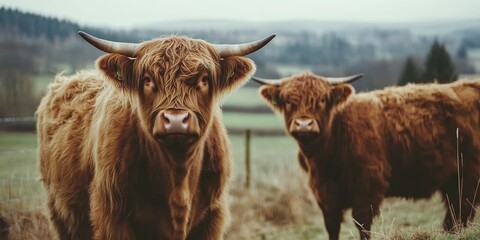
x=133 y=13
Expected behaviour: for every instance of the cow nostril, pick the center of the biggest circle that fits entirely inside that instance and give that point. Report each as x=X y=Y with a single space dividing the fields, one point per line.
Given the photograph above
x=165 y=119
x=187 y=117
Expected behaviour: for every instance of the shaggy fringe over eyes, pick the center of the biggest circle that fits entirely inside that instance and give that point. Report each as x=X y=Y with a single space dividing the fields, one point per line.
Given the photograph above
x=172 y=62
x=307 y=99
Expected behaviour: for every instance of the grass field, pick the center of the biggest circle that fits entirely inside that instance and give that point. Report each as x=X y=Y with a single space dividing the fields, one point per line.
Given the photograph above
x=40 y=82
x=245 y=96
x=278 y=205
x=252 y=120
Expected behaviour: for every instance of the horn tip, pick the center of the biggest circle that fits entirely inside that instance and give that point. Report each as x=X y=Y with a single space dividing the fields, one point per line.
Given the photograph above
x=255 y=79
x=83 y=34
x=262 y=81
x=269 y=38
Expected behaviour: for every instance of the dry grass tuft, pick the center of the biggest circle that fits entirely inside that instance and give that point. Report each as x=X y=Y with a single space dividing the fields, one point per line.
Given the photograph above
x=275 y=201
x=28 y=225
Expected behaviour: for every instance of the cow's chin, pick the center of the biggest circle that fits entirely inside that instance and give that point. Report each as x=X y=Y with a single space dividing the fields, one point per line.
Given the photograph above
x=177 y=141
x=305 y=137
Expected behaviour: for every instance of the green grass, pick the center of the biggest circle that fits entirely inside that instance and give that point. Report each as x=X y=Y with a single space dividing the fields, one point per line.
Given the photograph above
x=18 y=154
x=244 y=97
x=41 y=82
x=12 y=141
x=252 y=120
x=19 y=184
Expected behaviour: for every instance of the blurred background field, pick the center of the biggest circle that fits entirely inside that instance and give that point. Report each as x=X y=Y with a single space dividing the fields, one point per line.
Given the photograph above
x=278 y=205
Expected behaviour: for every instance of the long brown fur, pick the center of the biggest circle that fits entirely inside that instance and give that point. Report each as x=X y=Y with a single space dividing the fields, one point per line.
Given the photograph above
x=106 y=175
x=400 y=141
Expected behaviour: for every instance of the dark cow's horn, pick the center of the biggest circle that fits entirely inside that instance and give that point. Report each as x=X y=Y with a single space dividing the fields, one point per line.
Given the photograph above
x=341 y=80
x=225 y=50
x=127 y=49
x=273 y=82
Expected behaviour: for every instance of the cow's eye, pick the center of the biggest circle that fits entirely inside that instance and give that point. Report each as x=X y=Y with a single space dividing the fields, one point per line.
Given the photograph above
x=149 y=85
x=147 y=80
x=289 y=105
x=323 y=99
x=203 y=83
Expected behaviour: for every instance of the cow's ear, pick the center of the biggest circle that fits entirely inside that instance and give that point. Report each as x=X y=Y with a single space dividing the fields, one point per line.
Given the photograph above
x=340 y=93
x=118 y=69
x=235 y=71
x=271 y=95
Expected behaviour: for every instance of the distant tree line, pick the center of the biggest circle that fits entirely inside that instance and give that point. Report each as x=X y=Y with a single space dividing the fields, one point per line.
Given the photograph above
x=31 y=45
x=438 y=68
x=18 y=24
x=470 y=39
x=32 y=26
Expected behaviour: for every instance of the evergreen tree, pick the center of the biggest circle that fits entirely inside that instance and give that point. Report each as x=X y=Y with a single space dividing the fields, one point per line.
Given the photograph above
x=411 y=72
x=439 y=66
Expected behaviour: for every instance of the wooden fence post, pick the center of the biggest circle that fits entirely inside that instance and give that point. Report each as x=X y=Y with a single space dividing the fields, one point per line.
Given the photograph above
x=247 y=158
x=9 y=190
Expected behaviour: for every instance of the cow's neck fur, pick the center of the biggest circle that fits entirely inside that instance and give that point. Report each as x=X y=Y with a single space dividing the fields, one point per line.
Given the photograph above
x=325 y=172
x=183 y=177
x=319 y=148
x=181 y=171
x=324 y=151
x=173 y=174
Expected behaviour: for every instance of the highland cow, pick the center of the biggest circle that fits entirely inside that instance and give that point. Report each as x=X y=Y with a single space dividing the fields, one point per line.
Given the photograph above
x=137 y=149
x=401 y=141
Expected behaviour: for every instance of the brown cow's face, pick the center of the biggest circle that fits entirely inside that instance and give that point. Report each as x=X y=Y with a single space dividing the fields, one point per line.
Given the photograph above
x=306 y=102
x=174 y=85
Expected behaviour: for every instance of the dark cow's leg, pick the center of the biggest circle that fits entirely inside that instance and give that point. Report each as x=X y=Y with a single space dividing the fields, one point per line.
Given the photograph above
x=453 y=216
x=460 y=210
x=471 y=188
x=333 y=219
x=211 y=227
x=4 y=228
x=363 y=218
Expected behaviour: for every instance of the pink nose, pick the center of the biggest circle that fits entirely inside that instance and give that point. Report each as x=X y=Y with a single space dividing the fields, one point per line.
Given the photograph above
x=176 y=121
x=303 y=124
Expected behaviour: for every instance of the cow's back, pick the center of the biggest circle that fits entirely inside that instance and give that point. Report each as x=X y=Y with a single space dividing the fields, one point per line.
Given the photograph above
x=63 y=120
x=420 y=131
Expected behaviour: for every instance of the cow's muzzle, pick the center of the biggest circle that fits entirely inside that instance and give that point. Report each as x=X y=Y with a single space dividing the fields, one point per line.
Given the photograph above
x=304 y=126
x=175 y=126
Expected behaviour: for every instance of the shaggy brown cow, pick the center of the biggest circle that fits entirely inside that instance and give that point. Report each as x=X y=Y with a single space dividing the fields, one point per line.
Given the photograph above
x=401 y=141
x=137 y=149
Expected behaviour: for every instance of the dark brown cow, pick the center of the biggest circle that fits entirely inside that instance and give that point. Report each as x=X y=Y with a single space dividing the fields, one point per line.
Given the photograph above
x=400 y=141
x=137 y=149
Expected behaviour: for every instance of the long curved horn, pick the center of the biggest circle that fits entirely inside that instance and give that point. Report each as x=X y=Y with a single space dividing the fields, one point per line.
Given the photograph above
x=127 y=49
x=273 y=82
x=340 y=80
x=225 y=50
